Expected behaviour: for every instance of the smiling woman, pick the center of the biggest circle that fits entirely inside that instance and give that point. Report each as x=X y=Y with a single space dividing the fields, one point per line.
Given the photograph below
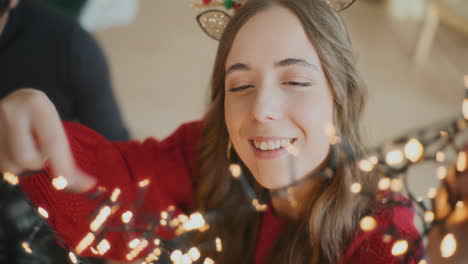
x=284 y=72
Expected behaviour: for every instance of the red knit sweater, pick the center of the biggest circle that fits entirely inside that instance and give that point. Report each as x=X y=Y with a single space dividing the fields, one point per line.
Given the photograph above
x=169 y=164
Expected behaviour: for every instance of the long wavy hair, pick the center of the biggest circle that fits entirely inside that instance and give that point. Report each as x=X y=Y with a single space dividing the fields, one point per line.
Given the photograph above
x=332 y=213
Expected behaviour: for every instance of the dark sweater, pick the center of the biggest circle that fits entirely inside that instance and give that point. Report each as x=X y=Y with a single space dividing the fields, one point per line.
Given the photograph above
x=44 y=49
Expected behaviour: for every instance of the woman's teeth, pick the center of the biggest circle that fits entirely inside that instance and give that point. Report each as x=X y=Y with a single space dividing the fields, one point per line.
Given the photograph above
x=271 y=144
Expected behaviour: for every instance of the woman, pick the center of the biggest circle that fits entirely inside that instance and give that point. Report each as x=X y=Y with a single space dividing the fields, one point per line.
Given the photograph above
x=283 y=71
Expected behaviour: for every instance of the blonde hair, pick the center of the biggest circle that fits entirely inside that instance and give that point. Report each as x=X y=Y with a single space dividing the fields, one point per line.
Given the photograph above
x=332 y=213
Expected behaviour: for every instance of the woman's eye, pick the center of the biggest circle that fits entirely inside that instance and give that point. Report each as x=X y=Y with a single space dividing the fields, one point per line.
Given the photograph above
x=301 y=84
x=240 y=88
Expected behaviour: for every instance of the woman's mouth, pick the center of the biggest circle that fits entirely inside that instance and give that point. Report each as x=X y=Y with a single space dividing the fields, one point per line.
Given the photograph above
x=271 y=147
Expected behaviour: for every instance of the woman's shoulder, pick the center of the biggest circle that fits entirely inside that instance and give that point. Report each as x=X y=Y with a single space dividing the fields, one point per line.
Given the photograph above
x=393 y=222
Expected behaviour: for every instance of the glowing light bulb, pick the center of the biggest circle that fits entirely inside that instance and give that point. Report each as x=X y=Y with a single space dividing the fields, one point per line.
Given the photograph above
x=461 y=161
x=432 y=192
x=195 y=221
x=460 y=204
x=366 y=165
x=368 y=223
x=194 y=253
x=219 y=245
x=27 y=248
x=414 y=150
x=176 y=255
x=374 y=160
x=208 y=261
x=423 y=261
x=127 y=217
x=356 y=188
x=397 y=185
x=85 y=243
x=134 y=243
x=186 y=259
x=440 y=156
x=59 y=183
x=235 y=170
x=11 y=178
x=465 y=108
x=384 y=183
x=157 y=242
x=103 y=247
x=72 y=257
x=101 y=217
x=394 y=157
x=144 y=183
x=429 y=216
x=115 y=195
x=292 y=149
x=448 y=246
x=400 y=247
x=441 y=172
x=43 y=212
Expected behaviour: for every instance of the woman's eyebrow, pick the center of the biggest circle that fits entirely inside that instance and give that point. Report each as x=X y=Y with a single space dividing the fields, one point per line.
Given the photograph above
x=293 y=61
x=238 y=67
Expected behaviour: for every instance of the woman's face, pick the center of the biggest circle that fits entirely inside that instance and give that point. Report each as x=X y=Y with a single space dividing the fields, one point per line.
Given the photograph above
x=276 y=93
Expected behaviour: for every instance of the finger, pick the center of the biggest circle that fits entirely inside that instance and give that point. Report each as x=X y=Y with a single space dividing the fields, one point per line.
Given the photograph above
x=53 y=143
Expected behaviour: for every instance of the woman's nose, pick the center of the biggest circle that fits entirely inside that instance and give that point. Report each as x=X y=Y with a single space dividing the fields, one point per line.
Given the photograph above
x=268 y=104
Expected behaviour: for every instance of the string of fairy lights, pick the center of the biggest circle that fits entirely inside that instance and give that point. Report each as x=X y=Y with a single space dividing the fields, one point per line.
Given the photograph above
x=393 y=160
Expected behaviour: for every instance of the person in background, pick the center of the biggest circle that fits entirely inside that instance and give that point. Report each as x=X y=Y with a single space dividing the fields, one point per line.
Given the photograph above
x=42 y=48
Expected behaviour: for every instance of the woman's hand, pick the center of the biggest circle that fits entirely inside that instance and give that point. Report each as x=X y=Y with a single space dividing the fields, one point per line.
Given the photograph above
x=31 y=134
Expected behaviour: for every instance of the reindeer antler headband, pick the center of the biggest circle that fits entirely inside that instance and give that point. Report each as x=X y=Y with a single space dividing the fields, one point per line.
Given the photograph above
x=213 y=21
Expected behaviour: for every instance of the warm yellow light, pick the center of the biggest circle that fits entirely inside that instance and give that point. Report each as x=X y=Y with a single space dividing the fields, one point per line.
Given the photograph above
x=460 y=204
x=432 y=192
x=235 y=170
x=163 y=222
x=134 y=243
x=292 y=149
x=465 y=108
x=144 y=183
x=208 y=261
x=10 y=178
x=429 y=216
x=219 y=245
x=127 y=217
x=374 y=160
x=176 y=255
x=194 y=254
x=366 y=165
x=27 y=248
x=440 y=156
x=356 y=188
x=400 y=247
x=115 y=195
x=394 y=157
x=101 y=217
x=85 y=242
x=103 y=247
x=441 y=172
x=60 y=183
x=448 y=246
x=258 y=206
x=195 y=221
x=461 y=161
x=72 y=257
x=423 y=261
x=164 y=215
x=414 y=150
x=397 y=185
x=157 y=241
x=43 y=212
x=368 y=223
x=134 y=253
x=186 y=259
x=384 y=183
